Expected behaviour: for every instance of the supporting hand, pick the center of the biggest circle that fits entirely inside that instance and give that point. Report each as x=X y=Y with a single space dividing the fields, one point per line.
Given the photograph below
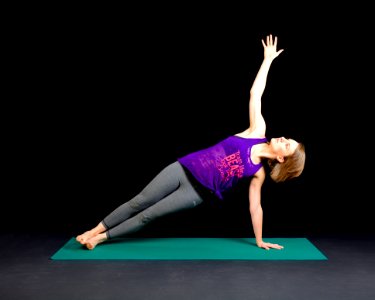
x=268 y=246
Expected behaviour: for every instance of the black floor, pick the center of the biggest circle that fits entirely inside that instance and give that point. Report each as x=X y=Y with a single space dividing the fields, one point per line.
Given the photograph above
x=27 y=272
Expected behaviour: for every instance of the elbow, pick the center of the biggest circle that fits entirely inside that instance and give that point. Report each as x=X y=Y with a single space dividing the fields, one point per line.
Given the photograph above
x=253 y=94
x=254 y=209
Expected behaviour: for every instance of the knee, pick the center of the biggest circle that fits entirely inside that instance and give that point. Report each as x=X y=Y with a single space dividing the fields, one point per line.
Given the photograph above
x=137 y=203
x=145 y=218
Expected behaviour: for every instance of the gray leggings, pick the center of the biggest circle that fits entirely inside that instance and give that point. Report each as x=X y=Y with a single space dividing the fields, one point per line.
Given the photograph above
x=170 y=191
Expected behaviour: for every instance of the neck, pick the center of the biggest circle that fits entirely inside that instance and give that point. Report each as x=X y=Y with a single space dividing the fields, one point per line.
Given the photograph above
x=262 y=151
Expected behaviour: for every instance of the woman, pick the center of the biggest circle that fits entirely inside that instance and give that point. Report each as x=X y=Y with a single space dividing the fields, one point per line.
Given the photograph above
x=216 y=169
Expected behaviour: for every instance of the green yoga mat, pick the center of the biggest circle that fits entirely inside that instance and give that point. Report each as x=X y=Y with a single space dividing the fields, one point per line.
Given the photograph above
x=190 y=249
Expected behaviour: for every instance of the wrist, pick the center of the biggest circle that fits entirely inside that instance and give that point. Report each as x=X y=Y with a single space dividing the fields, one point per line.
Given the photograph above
x=267 y=60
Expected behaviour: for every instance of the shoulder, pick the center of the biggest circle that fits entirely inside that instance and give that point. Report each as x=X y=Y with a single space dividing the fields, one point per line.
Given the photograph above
x=259 y=177
x=261 y=173
x=248 y=134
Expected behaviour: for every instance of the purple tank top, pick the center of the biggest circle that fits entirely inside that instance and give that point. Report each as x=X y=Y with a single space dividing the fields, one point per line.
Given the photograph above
x=222 y=165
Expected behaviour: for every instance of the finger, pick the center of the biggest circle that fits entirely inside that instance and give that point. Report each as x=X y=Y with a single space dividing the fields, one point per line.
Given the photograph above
x=277 y=246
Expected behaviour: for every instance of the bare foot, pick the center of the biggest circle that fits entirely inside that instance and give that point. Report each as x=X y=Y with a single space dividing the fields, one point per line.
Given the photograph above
x=92 y=242
x=84 y=237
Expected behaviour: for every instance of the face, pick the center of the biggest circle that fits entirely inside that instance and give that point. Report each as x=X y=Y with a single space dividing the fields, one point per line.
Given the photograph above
x=283 y=147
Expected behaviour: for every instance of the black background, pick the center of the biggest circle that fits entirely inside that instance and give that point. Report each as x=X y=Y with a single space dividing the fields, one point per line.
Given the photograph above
x=99 y=100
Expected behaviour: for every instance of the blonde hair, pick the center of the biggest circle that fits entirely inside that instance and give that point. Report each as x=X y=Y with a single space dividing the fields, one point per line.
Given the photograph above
x=292 y=166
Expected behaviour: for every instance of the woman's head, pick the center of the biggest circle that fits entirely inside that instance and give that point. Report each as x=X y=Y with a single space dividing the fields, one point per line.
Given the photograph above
x=290 y=159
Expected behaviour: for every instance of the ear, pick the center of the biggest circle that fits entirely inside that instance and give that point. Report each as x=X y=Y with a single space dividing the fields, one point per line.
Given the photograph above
x=280 y=158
